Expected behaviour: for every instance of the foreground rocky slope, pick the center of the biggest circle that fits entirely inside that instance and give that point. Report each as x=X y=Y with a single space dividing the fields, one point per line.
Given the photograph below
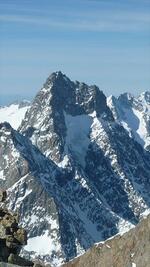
x=12 y=237
x=74 y=174
x=131 y=249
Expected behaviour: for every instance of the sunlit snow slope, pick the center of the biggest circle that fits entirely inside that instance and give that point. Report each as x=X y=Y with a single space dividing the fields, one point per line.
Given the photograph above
x=14 y=113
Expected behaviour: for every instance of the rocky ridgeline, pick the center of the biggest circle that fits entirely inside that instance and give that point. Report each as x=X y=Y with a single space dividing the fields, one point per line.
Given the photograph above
x=12 y=237
x=132 y=249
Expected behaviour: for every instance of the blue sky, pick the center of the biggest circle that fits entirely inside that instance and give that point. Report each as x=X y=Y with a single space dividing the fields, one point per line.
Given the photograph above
x=105 y=42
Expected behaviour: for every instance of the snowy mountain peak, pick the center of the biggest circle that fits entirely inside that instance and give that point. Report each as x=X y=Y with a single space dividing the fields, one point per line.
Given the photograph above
x=55 y=77
x=55 y=106
x=74 y=173
x=74 y=97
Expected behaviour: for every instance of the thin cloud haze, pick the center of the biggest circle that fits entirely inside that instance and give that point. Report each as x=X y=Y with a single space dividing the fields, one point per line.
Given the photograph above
x=122 y=21
x=101 y=42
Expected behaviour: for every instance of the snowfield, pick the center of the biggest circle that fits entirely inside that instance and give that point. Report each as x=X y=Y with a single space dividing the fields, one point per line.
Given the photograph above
x=13 y=114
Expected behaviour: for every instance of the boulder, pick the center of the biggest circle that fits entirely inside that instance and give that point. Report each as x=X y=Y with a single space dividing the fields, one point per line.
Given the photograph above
x=3 y=195
x=12 y=237
x=15 y=259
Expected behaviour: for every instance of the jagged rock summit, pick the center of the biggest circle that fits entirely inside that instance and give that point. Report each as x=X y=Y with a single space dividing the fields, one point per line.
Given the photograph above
x=77 y=177
x=61 y=99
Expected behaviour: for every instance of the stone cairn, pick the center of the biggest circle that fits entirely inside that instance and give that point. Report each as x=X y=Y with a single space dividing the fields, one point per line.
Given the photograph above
x=12 y=237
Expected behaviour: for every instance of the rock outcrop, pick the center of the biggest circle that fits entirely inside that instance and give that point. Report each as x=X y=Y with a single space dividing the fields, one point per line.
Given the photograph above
x=132 y=249
x=12 y=237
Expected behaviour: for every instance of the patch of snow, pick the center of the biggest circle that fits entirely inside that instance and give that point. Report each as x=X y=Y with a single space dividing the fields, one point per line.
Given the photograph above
x=41 y=244
x=133 y=119
x=127 y=128
x=82 y=181
x=44 y=90
x=141 y=130
x=124 y=226
x=80 y=250
x=15 y=154
x=20 y=199
x=145 y=213
x=33 y=219
x=2 y=175
x=45 y=245
x=93 y=114
x=18 y=183
x=64 y=162
x=3 y=139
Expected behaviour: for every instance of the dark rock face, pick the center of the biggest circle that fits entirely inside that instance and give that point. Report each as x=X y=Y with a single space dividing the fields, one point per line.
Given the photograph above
x=77 y=175
x=3 y=196
x=75 y=98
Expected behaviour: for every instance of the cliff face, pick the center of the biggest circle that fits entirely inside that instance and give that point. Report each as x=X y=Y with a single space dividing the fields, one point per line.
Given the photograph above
x=132 y=249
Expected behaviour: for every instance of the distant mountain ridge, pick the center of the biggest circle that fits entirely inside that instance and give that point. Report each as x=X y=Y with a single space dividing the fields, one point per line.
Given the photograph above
x=72 y=170
x=14 y=113
x=133 y=113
